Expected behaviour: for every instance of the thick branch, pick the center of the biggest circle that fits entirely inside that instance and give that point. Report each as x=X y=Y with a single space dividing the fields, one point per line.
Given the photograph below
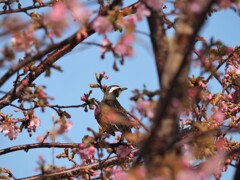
x=173 y=85
x=159 y=40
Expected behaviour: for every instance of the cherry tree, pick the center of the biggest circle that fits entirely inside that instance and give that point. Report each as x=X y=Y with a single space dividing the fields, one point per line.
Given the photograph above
x=184 y=127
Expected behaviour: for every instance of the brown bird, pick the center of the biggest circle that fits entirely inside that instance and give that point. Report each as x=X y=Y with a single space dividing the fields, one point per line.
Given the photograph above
x=109 y=113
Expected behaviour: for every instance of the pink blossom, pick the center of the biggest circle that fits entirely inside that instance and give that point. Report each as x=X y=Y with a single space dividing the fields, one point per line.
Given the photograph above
x=195 y=7
x=188 y=156
x=119 y=174
x=102 y=25
x=58 y=12
x=4 y=128
x=140 y=173
x=221 y=143
x=202 y=84
x=40 y=139
x=226 y=76
x=34 y=122
x=212 y=166
x=124 y=46
x=123 y=151
x=229 y=96
x=87 y=154
x=145 y=108
x=233 y=69
x=131 y=155
x=83 y=98
x=101 y=74
x=81 y=146
x=83 y=154
x=91 y=150
x=224 y=3
x=65 y=127
x=219 y=117
x=187 y=174
x=104 y=44
x=12 y=132
x=210 y=97
x=23 y=41
x=57 y=19
x=154 y=4
x=142 y=12
x=79 y=12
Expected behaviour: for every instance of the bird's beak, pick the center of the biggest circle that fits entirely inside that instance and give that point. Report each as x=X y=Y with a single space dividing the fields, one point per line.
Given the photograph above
x=123 y=89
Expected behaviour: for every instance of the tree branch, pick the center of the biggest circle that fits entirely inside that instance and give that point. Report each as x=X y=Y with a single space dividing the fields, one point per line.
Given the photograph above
x=77 y=171
x=26 y=147
x=25 y=8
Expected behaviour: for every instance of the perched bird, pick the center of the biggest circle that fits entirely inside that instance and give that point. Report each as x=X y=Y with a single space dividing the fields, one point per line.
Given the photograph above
x=110 y=115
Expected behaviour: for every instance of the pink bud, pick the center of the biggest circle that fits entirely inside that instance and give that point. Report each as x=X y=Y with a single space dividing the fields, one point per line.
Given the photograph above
x=131 y=155
x=209 y=97
x=202 y=84
x=83 y=98
x=226 y=76
x=229 y=96
x=228 y=161
x=91 y=150
x=102 y=74
x=81 y=146
x=104 y=86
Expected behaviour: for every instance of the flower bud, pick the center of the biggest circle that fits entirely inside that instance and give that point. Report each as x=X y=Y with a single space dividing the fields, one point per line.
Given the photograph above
x=92 y=85
x=91 y=107
x=83 y=98
x=102 y=74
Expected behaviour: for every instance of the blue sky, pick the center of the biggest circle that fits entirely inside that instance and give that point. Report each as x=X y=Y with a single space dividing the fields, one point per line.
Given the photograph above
x=79 y=67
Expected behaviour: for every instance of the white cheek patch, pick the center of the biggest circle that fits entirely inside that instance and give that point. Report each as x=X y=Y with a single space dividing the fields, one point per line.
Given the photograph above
x=113 y=89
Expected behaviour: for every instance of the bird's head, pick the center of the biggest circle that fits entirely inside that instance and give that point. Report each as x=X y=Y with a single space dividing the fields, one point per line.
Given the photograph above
x=113 y=91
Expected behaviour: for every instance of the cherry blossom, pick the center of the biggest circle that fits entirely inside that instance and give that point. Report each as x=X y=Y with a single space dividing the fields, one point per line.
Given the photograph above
x=41 y=138
x=123 y=151
x=195 y=7
x=145 y=108
x=142 y=12
x=10 y=130
x=87 y=154
x=65 y=127
x=124 y=46
x=119 y=174
x=213 y=166
x=23 y=41
x=57 y=18
x=79 y=12
x=102 y=25
x=154 y=4
x=104 y=44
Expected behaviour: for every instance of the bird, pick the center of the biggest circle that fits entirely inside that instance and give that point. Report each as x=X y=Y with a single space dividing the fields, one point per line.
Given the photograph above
x=109 y=113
